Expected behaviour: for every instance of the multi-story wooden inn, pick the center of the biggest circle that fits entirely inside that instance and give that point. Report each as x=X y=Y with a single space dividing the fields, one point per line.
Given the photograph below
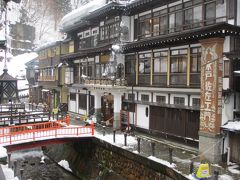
x=170 y=64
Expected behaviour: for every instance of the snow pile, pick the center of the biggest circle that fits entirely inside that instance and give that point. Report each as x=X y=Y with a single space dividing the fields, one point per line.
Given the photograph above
x=23 y=155
x=225 y=177
x=3 y=152
x=166 y=163
x=8 y=173
x=65 y=165
x=131 y=141
x=232 y=125
x=234 y=169
x=16 y=66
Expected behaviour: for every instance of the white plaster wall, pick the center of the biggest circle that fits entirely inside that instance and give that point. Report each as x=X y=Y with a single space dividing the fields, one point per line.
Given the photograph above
x=225 y=83
x=178 y=95
x=160 y=94
x=142 y=120
x=193 y=96
x=227 y=110
x=131 y=117
x=226 y=44
x=72 y=106
x=117 y=102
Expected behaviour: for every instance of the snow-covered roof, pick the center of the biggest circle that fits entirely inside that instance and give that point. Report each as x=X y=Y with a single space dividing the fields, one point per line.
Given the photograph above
x=77 y=15
x=232 y=126
x=47 y=45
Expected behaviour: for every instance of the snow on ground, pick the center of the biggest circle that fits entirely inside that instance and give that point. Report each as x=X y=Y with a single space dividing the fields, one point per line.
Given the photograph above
x=166 y=163
x=131 y=141
x=65 y=165
x=3 y=152
x=233 y=169
x=8 y=173
x=23 y=155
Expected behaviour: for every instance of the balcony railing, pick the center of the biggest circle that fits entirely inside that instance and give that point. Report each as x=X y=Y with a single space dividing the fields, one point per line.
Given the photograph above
x=47 y=78
x=114 y=82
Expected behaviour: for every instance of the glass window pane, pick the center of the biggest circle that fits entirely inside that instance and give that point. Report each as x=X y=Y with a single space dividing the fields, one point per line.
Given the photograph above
x=157 y=65
x=163 y=24
x=194 y=64
x=221 y=10
x=182 y=64
x=179 y=20
x=188 y=18
x=156 y=26
x=171 y=22
x=197 y=16
x=210 y=13
x=174 y=64
x=163 y=64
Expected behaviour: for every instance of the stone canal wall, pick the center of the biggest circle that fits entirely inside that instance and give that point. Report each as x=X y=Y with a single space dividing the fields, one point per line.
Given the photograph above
x=90 y=158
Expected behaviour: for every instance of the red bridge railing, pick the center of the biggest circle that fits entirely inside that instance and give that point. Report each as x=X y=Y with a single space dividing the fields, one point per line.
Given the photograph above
x=41 y=131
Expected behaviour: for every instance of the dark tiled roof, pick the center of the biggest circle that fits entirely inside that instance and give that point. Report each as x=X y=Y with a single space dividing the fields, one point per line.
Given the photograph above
x=6 y=77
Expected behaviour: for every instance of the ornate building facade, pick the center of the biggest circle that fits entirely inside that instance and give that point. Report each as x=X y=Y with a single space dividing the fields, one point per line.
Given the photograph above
x=166 y=66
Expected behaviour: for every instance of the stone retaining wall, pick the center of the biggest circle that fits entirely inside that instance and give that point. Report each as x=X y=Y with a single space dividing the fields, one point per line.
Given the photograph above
x=90 y=157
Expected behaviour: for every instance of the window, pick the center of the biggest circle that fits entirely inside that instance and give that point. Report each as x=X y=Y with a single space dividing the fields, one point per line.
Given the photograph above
x=195 y=61
x=72 y=97
x=210 y=13
x=144 y=97
x=98 y=70
x=179 y=100
x=90 y=69
x=144 y=63
x=161 y=99
x=69 y=75
x=145 y=25
x=196 y=102
x=179 y=61
x=226 y=68
x=110 y=29
x=76 y=73
x=130 y=64
x=131 y=97
x=160 y=62
x=82 y=101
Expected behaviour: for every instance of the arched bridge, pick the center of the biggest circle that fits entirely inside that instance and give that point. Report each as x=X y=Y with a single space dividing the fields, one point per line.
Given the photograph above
x=48 y=131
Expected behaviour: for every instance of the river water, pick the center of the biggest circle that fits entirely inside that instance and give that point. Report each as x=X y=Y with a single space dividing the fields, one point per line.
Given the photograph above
x=29 y=161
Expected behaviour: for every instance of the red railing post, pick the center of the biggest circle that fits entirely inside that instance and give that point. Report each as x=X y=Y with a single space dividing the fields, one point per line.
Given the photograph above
x=68 y=120
x=34 y=135
x=92 y=127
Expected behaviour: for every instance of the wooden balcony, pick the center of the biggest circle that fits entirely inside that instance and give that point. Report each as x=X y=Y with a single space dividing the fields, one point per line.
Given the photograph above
x=46 y=78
